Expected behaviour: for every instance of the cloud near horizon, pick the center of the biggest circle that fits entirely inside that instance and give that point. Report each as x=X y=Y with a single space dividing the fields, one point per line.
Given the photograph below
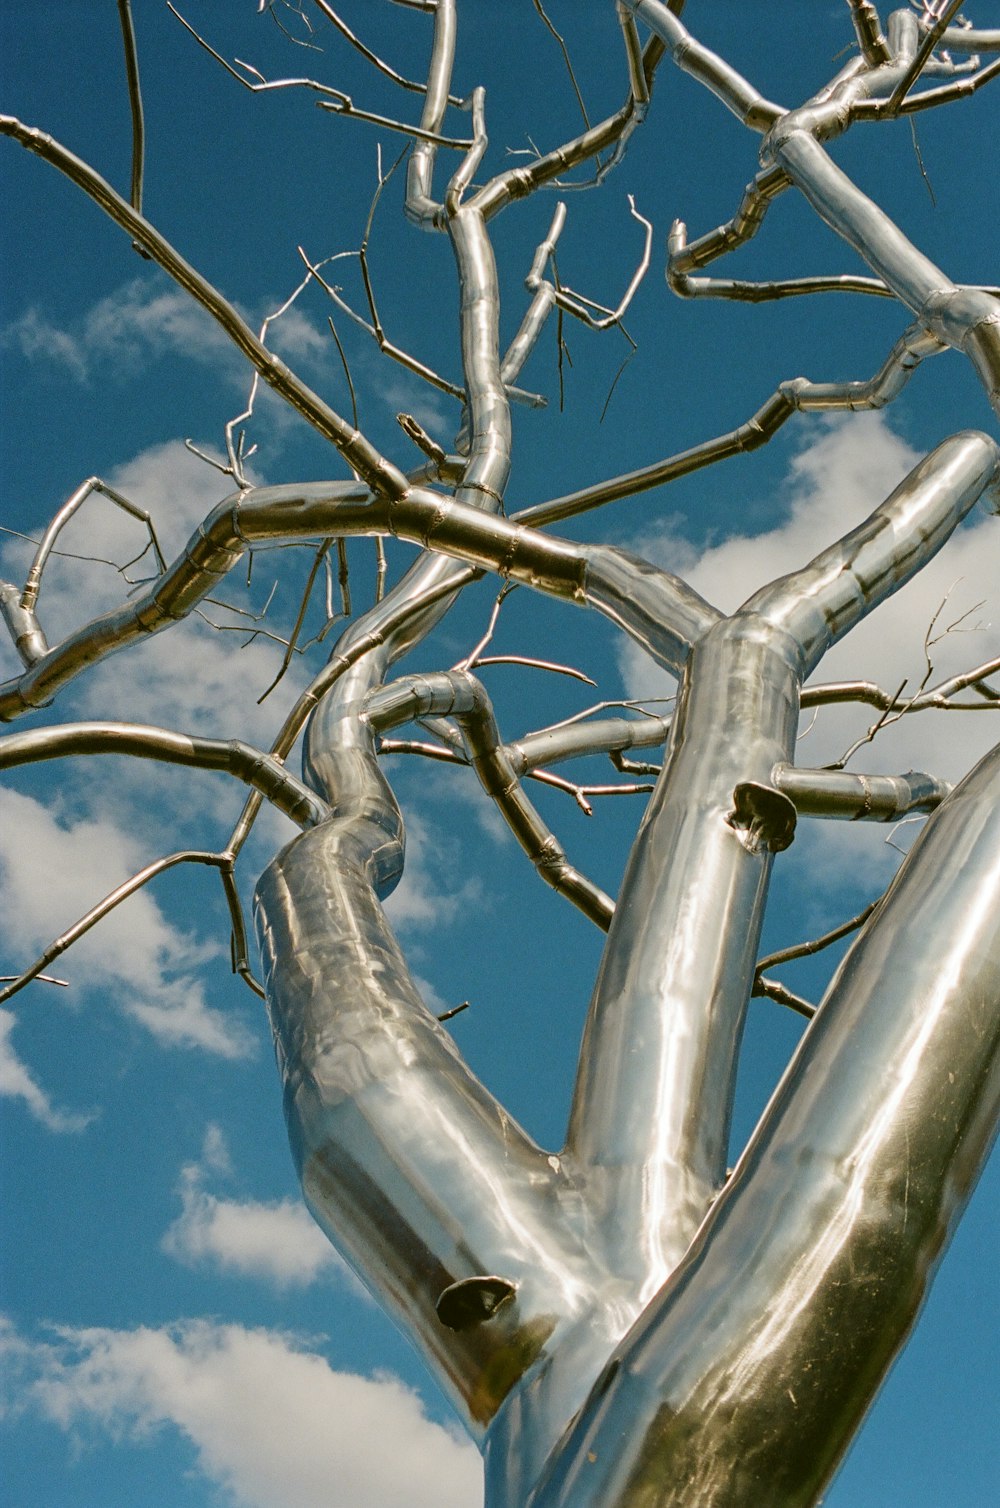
x=268 y=1421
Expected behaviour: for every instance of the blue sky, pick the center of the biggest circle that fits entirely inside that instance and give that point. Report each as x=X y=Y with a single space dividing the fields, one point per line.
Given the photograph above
x=177 y=1332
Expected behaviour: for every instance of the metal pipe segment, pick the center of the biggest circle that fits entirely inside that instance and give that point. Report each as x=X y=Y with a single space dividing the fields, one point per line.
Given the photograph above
x=743 y=1382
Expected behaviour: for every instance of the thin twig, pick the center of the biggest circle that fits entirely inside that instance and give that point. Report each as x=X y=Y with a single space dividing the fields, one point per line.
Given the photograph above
x=135 y=105
x=561 y=43
x=534 y=664
x=366 y=52
x=817 y=944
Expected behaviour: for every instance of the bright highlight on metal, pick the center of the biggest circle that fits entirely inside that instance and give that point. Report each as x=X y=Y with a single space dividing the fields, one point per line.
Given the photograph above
x=620 y=1324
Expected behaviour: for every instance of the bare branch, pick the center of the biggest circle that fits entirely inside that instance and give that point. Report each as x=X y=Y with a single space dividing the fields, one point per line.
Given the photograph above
x=102 y=909
x=783 y=996
x=376 y=62
x=579 y=307
x=262 y=771
x=361 y=456
x=459 y=695
x=135 y=102
x=927 y=45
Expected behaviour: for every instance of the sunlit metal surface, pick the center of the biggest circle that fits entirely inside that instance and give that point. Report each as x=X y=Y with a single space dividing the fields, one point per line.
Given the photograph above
x=746 y=1377
x=619 y=1324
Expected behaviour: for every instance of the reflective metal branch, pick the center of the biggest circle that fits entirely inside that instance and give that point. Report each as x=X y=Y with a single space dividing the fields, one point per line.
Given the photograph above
x=735 y=92
x=660 y=611
x=23 y=625
x=220 y=861
x=967 y=319
x=135 y=101
x=459 y=695
x=746 y=1378
x=619 y=1324
x=261 y=771
x=818 y=605
x=795 y=395
x=859 y=798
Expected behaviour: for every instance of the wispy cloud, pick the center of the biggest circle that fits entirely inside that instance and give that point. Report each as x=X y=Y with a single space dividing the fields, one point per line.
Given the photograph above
x=277 y=1241
x=53 y=869
x=143 y=318
x=433 y=891
x=269 y=1421
x=150 y=317
x=17 y=1082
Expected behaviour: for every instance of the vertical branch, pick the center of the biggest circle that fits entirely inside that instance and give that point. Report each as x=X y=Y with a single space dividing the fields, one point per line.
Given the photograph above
x=135 y=102
x=420 y=204
x=747 y=1376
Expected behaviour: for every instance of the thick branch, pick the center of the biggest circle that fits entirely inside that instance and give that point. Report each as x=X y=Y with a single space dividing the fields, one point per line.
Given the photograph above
x=659 y=610
x=748 y=1389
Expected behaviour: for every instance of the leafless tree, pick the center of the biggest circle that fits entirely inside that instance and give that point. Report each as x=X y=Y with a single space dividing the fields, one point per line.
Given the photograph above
x=625 y=1322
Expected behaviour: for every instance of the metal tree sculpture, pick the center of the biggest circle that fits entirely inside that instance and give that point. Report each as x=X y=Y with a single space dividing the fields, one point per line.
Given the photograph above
x=624 y=1323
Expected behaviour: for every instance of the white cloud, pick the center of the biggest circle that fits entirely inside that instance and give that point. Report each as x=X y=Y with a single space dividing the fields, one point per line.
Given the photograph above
x=17 y=1082
x=402 y=393
x=166 y=480
x=848 y=468
x=850 y=465
x=194 y=680
x=271 y=1423
x=150 y=318
x=429 y=995
x=145 y=317
x=277 y=1241
x=53 y=870
x=426 y=895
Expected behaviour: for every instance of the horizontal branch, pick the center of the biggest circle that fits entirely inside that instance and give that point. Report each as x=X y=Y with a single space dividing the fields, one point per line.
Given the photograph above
x=261 y=771
x=859 y=798
x=656 y=608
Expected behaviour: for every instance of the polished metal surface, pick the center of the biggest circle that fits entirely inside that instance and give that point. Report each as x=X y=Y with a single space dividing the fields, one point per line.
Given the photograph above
x=619 y=1323
x=745 y=1378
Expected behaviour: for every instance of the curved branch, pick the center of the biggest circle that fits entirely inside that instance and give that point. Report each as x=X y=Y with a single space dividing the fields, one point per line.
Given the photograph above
x=460 y=695
x=108 y=904
x=134 y=100
x=261 y=771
